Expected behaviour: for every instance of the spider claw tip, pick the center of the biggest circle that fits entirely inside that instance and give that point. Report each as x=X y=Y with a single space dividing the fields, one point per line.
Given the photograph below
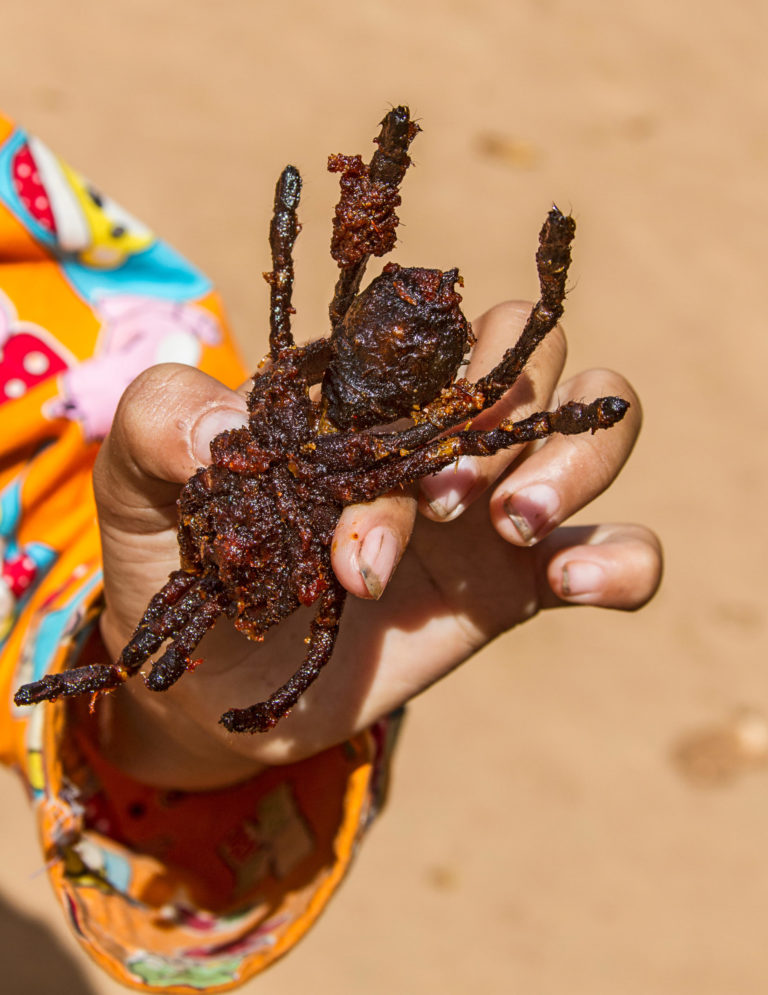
x=253 y=719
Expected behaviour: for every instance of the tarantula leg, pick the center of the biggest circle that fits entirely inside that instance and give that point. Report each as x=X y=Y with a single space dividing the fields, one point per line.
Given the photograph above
x=322 y=637
x=81 y=680
x=363 y=450
x=572 y=418
x=167 y=611
x=176 y=659
x=308 y=360
x=365 y=220
x=282 y=237
x=154 y=628
x=464 y=400
x=553 y=259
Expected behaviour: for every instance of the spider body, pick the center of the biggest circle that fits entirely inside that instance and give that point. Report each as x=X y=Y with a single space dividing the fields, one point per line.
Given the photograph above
x=255 y=527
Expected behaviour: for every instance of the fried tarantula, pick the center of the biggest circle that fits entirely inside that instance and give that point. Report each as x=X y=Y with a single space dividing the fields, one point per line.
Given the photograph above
x=255 y=527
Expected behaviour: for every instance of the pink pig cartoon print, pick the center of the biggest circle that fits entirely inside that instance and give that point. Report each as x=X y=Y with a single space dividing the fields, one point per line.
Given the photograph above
x=137 y=332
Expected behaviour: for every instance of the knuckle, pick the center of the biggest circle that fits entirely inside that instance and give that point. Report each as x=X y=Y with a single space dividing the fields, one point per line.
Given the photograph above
x=102 y=483
x=511 y=310
x=501 y=317
x=144 y=394
x=157 y=381
x=557 y=341
x=159 y=390
x=396 y=510
x=648 y=567
x=653 y=557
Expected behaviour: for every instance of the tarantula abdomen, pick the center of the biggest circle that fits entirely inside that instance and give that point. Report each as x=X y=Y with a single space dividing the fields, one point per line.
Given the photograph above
x=399 y=344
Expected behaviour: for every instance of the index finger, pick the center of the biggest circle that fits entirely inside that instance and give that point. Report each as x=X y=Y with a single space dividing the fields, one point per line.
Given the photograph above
x=369 y=541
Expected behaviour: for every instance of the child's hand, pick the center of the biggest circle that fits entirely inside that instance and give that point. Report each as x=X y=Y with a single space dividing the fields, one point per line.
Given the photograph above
x=497 y=564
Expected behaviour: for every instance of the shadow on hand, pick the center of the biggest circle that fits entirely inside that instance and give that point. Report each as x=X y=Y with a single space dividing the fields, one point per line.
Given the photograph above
x=34 y=959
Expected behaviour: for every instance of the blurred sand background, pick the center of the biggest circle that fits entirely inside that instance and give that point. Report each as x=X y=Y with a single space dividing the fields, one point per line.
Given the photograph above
x=583 y=808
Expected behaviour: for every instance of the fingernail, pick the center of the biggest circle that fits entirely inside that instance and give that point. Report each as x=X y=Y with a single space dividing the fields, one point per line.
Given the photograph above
x=379 y=552
x=532 y=509
x=447 y=490
x=212 y=424
x=582 y=577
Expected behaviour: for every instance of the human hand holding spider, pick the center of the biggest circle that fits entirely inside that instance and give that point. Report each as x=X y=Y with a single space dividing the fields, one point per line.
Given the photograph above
x=502 y=558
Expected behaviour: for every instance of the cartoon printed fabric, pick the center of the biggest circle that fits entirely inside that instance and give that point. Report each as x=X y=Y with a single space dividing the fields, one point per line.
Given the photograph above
x=169 y=891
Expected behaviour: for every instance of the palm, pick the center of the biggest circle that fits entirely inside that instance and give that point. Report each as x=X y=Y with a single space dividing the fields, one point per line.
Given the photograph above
x=457 y=587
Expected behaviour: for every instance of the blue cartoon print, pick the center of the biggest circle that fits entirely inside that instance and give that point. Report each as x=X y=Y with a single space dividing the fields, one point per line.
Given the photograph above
x=22 y=567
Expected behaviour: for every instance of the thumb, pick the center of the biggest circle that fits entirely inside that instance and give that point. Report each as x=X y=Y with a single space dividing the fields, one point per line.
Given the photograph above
x=161 y=434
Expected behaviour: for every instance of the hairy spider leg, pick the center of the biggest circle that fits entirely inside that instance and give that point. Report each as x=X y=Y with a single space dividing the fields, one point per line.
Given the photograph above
x=553 y=259
x=176 y=660
x=82 y=680
x=572 y=418
x=173 y=604
x=282 y=237
x=322 y=637
x=281 y=411
x=168 y=608
x=386 y=169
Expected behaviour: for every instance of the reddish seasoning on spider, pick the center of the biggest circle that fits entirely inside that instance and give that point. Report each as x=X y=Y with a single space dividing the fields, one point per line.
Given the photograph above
x=256 y=526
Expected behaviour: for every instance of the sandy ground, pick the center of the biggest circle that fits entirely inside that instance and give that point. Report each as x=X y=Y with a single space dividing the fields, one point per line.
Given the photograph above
x=598 y=823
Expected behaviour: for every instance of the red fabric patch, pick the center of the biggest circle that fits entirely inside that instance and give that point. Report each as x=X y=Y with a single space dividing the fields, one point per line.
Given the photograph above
x=18 y=571
x=33 y=195
x=25 y=361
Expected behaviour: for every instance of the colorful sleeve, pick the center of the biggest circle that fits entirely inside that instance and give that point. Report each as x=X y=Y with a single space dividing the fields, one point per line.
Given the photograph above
x=168 y=891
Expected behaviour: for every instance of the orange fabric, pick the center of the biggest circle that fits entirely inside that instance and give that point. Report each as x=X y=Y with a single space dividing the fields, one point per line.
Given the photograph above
x=168 y=891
